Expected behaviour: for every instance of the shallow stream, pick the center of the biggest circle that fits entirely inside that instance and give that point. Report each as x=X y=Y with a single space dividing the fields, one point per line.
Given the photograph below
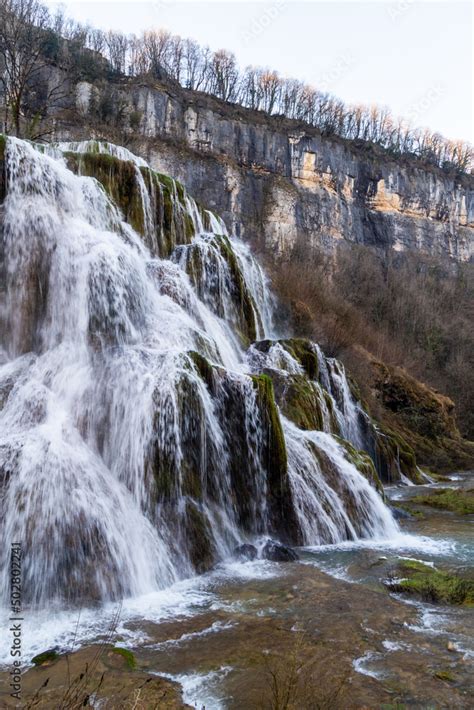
x=217 y=634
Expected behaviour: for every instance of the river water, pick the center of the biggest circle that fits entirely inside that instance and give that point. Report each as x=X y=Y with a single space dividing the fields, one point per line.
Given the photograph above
x=212 y=634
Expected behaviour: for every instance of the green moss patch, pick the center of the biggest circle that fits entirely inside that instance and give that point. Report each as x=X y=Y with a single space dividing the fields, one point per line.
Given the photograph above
x=459 y=501
x=303 y=351
x=447 y=676
x=127 y=655
x=432 y=585
x=46 y=657
x=118 y=177
x=299 y=400
x=363 y=464
x=276 y=440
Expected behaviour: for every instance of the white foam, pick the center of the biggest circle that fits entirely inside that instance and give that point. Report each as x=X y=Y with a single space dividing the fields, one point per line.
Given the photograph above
x=360 y=665
x=393 y=645
x=193 y=635
x=70 y=629
x=198 y=688
x=400 y=541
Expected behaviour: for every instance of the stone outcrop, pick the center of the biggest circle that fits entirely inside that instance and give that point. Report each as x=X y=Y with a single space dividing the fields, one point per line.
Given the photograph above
x=278 y=183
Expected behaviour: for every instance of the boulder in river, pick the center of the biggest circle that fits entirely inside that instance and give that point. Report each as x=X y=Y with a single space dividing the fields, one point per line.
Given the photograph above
x=276 y=552
x=245 y=552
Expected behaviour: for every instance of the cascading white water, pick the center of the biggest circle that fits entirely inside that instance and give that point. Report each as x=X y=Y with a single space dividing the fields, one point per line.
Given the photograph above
x=357 y=511
x=348 y=411
x=128 y=425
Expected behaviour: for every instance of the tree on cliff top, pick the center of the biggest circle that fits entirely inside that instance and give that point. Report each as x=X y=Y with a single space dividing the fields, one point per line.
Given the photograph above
x=27 y=45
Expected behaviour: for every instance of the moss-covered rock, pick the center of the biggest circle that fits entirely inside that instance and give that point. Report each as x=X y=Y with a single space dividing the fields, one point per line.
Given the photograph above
x=425 y=411
x=302 y=403
x=457 y=500
x=445 y=675
x=172 y=221
x=45 y=658
x=432 y=585
x=198 y=537
x=204 y=368
x=185 y=477
x=243 y=297
x=422 y=417
x=300 y=400
x=393 y=456
x=300 y=349
x=283 y=518
x=119 y=179
x=277 y=461
x=364 y=464
x=303 y=351
x=215 y=256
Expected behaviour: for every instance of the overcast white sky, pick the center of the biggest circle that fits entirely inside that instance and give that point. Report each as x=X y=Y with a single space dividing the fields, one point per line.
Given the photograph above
x=415 y=57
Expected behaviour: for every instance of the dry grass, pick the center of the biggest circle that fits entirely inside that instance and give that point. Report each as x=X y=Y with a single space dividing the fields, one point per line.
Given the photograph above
x=300 y=678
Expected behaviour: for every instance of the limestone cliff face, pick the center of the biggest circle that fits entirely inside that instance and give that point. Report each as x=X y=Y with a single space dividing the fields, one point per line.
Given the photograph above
x=278 y=183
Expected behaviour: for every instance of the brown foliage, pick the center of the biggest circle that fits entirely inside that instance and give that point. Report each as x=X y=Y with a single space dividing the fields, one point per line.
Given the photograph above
x=302 y=680
x=406 y=310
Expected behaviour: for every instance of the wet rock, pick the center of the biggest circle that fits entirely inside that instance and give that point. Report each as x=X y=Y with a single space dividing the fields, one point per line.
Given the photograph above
x=46 y=657
x=245 y=552
x=399 y=513
x=276 y=552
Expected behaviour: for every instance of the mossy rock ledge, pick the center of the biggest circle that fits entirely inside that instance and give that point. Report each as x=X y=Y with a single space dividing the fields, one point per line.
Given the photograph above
x=432 y=585
x=173 y=223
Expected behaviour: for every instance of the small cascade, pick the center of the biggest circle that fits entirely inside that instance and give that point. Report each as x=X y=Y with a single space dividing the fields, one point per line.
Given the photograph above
x=348 y=411
x=333 y=500
x=147 y=423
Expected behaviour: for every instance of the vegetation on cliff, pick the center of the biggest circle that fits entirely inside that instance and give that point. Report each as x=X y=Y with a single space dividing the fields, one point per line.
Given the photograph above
x=381 y=314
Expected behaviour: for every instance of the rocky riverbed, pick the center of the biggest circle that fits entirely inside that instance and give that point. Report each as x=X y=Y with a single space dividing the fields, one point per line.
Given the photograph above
x=326 y=627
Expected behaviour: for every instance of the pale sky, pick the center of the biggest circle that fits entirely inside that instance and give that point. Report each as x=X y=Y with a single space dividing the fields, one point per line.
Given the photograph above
x=415 y=57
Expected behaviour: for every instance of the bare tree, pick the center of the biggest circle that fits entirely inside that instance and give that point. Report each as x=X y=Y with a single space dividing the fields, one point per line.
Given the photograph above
x=224 y=74
x=196 y=65
x=117 y=47
x=28 y=45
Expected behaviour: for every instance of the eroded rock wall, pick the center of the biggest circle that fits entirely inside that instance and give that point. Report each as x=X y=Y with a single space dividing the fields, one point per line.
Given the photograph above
x=280 y=184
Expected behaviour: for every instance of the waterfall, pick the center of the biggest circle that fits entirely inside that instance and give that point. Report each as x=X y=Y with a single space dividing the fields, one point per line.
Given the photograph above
x=142 y=434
